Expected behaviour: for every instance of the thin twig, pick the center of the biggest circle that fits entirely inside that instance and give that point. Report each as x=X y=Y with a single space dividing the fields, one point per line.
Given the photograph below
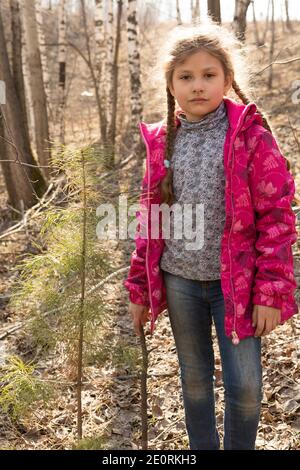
x=282 y=62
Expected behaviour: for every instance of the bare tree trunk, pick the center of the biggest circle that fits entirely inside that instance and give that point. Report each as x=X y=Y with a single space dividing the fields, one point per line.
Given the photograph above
x=288 y=22
x=25 y=184
x=258 y=41
x=36 y=83
x=28 y=97
x=283 y=24
x=6 y=168
x=192 y=10
x=62 y=68
x=179 y=21
x=267 y=22
x=214 y=10
x=43 y=51
x=109 y=76
x=112 y=127
x=239 y=20
x=196 y=12
x=102 y=82
x=271 y=55
x=17 y=71
x=134 y=72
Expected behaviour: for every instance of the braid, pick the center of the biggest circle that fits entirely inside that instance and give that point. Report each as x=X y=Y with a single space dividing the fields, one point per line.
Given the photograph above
x=167 y=182
x=240 y=93
x=266 y=124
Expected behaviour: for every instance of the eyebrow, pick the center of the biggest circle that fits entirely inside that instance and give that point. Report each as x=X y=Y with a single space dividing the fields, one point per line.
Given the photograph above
x=204 y=70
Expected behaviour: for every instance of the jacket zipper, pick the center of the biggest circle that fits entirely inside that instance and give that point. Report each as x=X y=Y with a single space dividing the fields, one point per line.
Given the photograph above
x=235 y=338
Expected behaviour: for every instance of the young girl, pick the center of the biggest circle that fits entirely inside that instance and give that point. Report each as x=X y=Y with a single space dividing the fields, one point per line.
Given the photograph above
x=219 y=154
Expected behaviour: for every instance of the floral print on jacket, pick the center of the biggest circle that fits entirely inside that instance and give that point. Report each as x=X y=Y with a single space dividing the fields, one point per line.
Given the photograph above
x=259 y=231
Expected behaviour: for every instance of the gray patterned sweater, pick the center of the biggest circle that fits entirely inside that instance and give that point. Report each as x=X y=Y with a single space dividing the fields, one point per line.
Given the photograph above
x=198 y=178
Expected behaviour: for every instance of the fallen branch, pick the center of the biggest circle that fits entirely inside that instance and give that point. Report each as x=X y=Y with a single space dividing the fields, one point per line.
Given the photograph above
x=281 y=62
x=32 y=212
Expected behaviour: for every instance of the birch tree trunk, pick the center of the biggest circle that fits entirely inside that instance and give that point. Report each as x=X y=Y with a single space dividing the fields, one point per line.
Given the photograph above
x=196 y=12
x=36 y=83
x=192 y=10
x=239 y=20
x=267 y=22
x=288 y=21
x=258 y=41
x=114 y=91
x=43 y=50
x=179 y=21
x=62 y=68
x=101 y=72
x=109 y=76
x=134 y=71
x=29 y=102
x=25 y=184
x=214 y=10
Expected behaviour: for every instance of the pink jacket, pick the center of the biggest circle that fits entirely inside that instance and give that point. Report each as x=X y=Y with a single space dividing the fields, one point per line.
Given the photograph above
x=256 y=254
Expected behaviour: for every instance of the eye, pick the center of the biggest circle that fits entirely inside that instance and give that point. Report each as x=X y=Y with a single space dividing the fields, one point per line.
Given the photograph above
x=209 y=75
x=184 y=77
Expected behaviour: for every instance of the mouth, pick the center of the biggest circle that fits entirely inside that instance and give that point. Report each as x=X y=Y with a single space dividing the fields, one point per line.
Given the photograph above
x=198 y=100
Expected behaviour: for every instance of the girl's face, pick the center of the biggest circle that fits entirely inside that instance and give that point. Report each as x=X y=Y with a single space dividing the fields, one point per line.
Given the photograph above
x=201 y=75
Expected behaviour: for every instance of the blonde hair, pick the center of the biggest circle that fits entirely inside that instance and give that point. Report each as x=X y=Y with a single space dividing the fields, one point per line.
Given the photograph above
x=220 y=43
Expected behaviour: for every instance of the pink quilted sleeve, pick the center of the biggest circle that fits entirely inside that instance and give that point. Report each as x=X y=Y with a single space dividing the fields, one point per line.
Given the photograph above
x=272 y=189
x=136 y=282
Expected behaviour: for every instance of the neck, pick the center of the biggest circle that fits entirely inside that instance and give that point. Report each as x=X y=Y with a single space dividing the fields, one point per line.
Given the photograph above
x=208 y=121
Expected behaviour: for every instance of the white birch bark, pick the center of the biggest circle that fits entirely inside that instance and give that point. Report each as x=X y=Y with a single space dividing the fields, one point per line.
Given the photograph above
x=134 y=69
x=178 y=14
x=62 y=68
x=103 y=82
x=43 y=51
x=196 y=11
x=109 y=61
x=29 y=101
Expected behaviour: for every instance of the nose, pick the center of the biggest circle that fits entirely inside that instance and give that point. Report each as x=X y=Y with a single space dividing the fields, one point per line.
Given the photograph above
x=197 y=86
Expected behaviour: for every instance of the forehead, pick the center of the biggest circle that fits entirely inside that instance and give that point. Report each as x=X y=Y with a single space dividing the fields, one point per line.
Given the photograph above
x=201 y=60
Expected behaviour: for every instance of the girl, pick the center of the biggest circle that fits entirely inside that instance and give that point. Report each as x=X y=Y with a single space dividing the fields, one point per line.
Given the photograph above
x=220 y=155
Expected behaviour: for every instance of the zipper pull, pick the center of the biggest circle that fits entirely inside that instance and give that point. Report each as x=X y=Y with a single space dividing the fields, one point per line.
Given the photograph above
x=235 y=338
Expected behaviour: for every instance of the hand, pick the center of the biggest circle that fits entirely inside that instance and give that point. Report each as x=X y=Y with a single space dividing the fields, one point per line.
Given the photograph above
x=265 y=319
x=140 y=315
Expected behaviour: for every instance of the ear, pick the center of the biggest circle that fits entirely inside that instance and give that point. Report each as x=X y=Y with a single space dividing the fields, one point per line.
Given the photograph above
x=171 y=89
x=228 y=83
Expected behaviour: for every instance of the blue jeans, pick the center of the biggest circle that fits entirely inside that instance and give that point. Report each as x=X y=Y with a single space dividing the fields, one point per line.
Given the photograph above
x=192 y=305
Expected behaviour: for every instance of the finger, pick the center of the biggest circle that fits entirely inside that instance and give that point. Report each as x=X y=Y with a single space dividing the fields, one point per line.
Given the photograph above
x=148 y=316
x=275 y=323
x=266 y=331
x=268 y=327
x=254 y=316
x=260 y=327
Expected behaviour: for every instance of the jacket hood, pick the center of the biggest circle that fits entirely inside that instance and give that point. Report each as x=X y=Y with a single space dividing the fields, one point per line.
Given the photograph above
x=240 y=117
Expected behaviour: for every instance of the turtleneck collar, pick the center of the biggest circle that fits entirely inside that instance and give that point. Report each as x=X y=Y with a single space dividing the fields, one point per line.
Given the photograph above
x=207 y=122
